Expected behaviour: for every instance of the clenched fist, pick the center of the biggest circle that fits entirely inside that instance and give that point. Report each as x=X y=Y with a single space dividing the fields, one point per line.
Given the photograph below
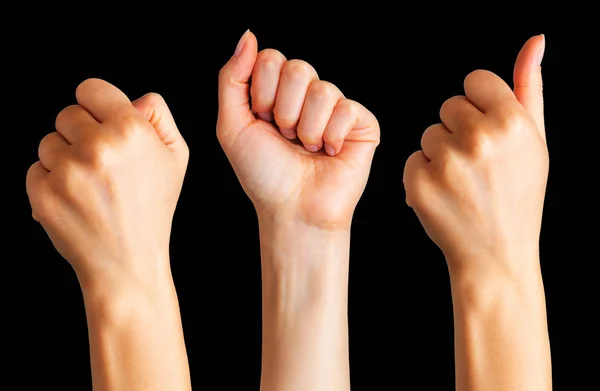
x=478 y=184
x=303 y=151
x=107 y=183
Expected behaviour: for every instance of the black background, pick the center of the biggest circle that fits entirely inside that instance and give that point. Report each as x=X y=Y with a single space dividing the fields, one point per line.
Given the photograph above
x=400 y=310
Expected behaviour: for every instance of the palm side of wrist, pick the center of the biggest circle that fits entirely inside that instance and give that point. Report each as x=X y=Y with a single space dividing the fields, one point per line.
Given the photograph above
x=290 y=216
x=302 y=263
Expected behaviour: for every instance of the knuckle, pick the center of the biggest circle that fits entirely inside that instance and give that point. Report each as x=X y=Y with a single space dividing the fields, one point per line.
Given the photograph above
x=509 y=120
x=450 y=103
x=426 y=136
x=65 y=113
x=270 y=58
x=347 y=107
x=413 y=180
x=87 y=86
x=128 y=126
x=154 y=99
x=476 y=76
x=42 y=207
x=44 y=143
x=322 y=90
x=298 y=69
x=31 y=179
x=479 y=145
x=99 y=154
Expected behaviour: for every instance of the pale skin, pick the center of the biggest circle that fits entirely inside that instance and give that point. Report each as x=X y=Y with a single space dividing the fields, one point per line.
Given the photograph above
x=108 y=210
x=302 y=152
x=478 y=188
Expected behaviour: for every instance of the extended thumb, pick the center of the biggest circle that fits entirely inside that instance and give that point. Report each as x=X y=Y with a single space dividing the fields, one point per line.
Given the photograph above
x=528 y=79
x=234 y=106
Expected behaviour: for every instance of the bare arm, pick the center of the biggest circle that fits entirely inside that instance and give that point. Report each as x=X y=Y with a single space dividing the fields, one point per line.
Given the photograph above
x=136 y=337
x=478 y=186
x=305 y=326
x=501 y=335
x=304 y=193
x=105 y=190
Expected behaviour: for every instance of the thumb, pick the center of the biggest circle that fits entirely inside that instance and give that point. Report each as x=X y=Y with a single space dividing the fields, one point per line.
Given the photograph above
x=528 y=80
x=234 y=108
x=154 y=109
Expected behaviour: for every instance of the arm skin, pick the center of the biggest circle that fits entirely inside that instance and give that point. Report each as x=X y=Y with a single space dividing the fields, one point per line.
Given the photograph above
x=105 y=190
x=305 y=293
x=135 y=336
x=478 y=186
x=501 y=334
x=304 y=194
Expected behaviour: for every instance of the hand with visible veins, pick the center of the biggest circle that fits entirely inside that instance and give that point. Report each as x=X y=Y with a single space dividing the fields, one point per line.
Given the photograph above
x=302 y=153
x=105 y=189
x=478 y=188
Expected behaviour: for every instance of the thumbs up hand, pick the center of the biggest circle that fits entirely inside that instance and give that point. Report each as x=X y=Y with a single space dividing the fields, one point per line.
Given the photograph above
x=478 y=183
x=302 y=151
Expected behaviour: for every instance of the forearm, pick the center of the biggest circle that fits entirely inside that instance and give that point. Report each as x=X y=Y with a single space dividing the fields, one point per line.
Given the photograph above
x=136 y=337
x=305 y=323
x=501 y=334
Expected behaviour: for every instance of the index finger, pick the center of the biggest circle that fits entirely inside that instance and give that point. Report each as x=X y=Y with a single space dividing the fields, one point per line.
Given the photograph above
x=101 y=99
x=487 y=90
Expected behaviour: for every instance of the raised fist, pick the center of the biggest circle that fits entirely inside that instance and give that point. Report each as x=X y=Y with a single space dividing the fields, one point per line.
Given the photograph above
x=107 y=183
x=303 y=151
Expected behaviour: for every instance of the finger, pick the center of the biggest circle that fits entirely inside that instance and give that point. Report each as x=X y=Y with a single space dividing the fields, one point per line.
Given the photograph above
x=34 y=181
x=155 y=110
x=458 y=114
x=73 y=122
x=435 y=138
x=487 y=91
x=51 y=149
x=528 y=80
x=265 y=81
x=234 y=107
x=353 y=125
x=296 y=76
x=414 y=170
x=102 y=99
x=321 y=99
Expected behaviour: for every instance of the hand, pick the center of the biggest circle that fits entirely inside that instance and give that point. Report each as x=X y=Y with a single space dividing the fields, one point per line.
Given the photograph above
x=478 y=184
x=107 y=182
x=317 y=180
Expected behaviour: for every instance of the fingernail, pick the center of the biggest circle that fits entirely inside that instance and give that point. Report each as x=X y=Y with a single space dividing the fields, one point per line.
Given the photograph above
x=312 y=148
x=265 y=116
x=330 y=151
x=241 y=43
x=542 y=50
x=288 y=133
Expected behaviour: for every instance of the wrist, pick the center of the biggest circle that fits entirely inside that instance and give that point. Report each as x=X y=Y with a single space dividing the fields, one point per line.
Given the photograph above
x=303 y=266
x=104 y=276
x=475 y=269
x=293 y=218
x=127 y=295
x=487 y=289
x=295 y=244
